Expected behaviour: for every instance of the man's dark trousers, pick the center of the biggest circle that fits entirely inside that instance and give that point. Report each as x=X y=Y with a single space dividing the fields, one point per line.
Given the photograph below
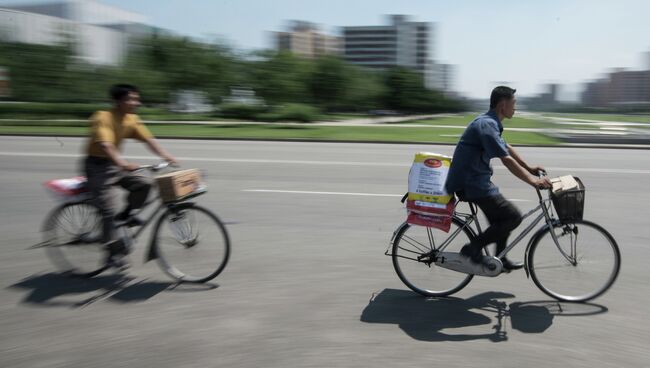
x=102 y=177
x=503 y=217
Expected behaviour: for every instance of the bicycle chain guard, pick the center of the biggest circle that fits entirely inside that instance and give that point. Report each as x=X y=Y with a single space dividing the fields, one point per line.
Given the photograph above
x=490 y=266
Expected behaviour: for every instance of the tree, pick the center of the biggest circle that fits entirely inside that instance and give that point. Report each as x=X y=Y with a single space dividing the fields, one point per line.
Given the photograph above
x=329 y=81
x=282 y=77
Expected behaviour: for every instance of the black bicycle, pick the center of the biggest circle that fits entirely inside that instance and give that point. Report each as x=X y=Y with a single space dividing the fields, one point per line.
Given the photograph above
x=188 y=241
x=568 y=258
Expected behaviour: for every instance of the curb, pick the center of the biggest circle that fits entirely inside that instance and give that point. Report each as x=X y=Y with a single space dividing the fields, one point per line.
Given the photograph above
x=305 y=140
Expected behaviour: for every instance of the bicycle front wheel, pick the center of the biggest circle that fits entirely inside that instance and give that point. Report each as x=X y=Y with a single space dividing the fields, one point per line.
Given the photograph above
x=72 y=239
x=427 y=278
x=581 y=266
x=192 y=244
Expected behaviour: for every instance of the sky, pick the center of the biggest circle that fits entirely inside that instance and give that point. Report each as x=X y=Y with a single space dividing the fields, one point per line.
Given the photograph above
x=525 y=44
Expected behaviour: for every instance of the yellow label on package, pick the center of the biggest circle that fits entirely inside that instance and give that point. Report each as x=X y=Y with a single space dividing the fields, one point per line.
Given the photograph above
x=427 y=178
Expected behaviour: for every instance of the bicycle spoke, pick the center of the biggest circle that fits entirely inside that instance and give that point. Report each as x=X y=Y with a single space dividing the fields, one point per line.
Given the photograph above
x=415 y=244
x=427 y=278
x=560 y=271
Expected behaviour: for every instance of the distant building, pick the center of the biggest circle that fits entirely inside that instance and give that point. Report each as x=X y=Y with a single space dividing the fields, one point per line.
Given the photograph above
x=547 y=100
x=444 y=76
x=100 y=33
x=401 y=43
x=305 y=39
x=619 y=88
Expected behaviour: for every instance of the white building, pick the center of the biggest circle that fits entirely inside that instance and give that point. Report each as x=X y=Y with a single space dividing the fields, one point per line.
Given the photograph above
x=100 y=33
x=401 y=43
x=442 y=77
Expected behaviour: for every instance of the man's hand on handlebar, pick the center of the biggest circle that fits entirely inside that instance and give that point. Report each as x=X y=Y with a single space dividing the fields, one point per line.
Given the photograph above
x=542 y=183
x=128 y=166
x=172 y=161
x=536 y=170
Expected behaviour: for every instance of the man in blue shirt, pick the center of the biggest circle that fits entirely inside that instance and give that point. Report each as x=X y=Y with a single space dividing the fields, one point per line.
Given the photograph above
x=470 y=173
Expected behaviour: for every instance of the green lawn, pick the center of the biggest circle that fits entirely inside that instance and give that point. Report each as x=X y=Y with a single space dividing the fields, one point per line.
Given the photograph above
x=284 y=131
x=630 y=118
x=463 y=120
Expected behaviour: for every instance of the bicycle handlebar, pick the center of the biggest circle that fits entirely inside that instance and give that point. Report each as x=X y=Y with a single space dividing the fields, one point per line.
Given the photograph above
x=542 y=174
x=157 y=167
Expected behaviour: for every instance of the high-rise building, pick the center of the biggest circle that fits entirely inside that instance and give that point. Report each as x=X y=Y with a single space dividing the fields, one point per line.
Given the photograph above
x=100 y=33
x=401 y=43
x=305 y=39
x=619 y=88
x=442 y=77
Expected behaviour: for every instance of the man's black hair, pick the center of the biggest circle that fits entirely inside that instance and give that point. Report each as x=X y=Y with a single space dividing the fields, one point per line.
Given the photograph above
x=499 y=94
x=119 y=91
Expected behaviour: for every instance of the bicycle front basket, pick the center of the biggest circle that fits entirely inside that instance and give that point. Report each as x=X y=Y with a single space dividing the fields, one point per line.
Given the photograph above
x=569 y=204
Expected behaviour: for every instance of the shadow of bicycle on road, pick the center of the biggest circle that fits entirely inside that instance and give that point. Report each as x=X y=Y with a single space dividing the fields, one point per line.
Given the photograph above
x=61 y=290
x=431 y=319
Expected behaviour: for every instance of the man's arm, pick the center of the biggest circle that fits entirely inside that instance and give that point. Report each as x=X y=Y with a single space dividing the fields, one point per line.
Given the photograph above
x=515 y=155
x=155 y=148
x=517 y=170
x=112 y=153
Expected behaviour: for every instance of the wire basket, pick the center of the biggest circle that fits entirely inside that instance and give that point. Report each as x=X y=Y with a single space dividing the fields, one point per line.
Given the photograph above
x=569 y=204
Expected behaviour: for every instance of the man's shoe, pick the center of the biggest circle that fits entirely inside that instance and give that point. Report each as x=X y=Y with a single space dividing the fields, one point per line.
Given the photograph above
x=125 y=219
x=472 y=252
x=117 y=261
x=116 y=257
x=510 y=265
x=133 y=221
x=116 y=247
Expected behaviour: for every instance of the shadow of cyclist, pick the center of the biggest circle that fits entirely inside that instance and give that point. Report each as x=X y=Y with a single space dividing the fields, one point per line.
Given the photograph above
x=426 y=318
x=430 y=319
x=60 y=290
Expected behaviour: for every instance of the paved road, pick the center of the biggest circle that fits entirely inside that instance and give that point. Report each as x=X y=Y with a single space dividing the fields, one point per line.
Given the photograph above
x=308 y=284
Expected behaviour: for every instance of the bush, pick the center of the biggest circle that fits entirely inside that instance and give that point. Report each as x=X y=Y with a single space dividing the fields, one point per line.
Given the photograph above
x=241 y=111
x=292 y=112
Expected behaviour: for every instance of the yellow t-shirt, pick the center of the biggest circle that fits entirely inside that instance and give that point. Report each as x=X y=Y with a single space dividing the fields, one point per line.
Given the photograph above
x=105 y=128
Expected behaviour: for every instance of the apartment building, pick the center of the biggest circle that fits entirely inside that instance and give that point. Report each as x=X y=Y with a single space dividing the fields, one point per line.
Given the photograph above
x=400 y=43
x=305 y=39
x=100 y=33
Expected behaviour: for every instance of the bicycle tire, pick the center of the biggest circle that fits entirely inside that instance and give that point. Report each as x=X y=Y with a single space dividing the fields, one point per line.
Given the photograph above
x=178 y=237
x=432 y=273
x=72 y=239
x=561 y=275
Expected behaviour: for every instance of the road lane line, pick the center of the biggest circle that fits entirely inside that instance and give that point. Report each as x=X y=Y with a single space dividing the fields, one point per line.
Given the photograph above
x=340 y=193
x=208 y=159
x=323 y=193
x=310 y=162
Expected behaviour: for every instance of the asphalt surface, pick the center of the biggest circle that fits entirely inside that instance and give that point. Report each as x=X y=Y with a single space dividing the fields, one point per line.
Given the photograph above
x=308 y=284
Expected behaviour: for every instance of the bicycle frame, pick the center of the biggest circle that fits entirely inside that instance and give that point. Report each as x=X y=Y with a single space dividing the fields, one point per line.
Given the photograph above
x=150 y=218
x=132 y=236
x=544 y=205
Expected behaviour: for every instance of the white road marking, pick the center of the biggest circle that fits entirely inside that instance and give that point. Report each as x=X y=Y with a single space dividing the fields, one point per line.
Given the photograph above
x=340 y=193
x=312 y=162
x=323 y=193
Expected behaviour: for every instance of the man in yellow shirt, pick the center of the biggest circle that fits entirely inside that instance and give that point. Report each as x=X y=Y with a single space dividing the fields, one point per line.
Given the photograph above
x=106 y=168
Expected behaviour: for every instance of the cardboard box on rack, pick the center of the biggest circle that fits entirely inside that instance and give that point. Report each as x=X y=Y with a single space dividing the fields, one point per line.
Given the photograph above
x=178 y=184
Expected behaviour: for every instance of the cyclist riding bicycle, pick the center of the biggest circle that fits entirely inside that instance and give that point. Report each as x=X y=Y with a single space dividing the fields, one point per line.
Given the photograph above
x=470 y=175
x=105 y=167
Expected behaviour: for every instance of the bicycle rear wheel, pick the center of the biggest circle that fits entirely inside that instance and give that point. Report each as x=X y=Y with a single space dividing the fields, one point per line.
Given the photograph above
x=582 y=266
x=424 y=278
x=191 y=243
x=72 y=239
